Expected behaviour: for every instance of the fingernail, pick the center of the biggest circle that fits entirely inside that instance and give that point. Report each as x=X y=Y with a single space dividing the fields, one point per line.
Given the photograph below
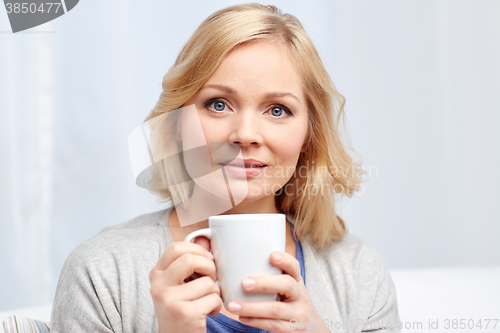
x=234 y=307
x=248 y=283
x=277 y=257
x=209 y=255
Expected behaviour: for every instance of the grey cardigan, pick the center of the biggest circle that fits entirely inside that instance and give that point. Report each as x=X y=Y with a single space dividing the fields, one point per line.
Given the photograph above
x=104 y=285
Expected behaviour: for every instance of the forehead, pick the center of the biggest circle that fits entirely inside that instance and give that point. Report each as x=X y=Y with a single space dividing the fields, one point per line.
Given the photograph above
x=262 y=65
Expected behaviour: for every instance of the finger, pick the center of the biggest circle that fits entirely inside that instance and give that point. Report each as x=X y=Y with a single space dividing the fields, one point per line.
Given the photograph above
x=284 y=285
x=195 y=289
x=185 y=266
x=209 y=304
x=271 y=310
x=214 y=312
x=177 y=249
x=287 y=263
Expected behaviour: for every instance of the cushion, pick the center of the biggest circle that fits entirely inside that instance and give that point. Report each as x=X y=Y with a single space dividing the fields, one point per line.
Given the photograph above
x=19 y=324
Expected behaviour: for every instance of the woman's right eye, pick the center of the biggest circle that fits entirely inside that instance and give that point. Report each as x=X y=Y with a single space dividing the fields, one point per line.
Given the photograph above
x=216 y=105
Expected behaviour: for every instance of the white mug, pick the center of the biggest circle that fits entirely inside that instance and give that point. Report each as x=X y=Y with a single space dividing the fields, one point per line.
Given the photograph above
x=242 y=245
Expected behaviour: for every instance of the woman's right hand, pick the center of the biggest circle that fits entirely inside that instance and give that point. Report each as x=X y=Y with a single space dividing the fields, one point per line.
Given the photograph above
x=182 y=304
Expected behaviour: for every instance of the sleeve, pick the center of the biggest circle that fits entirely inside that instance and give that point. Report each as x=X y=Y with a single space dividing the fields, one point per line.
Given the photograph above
x=84 y=300
x=377 y=295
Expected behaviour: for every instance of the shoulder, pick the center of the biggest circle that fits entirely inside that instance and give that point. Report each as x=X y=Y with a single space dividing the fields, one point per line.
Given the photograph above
x=105 y=279
x=358 y=277
x=364 y=264
x=145 y=232
x=354 y=260
x=135 y=230
x=347 y=251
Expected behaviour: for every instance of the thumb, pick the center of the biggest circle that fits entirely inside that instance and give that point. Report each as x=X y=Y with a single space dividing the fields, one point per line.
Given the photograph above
x=203 y=241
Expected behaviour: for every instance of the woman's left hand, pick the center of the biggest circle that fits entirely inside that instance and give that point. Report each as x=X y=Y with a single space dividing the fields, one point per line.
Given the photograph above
x=294 y=310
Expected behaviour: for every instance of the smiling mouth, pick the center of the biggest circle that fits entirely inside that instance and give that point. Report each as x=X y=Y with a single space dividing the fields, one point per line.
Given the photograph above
x=247 y=171
x=245 y=167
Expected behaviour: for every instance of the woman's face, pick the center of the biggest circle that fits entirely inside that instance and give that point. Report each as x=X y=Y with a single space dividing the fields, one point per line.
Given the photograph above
x=255 y=101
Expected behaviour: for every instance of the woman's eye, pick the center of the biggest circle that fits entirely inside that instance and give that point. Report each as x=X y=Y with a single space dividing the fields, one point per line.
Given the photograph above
x=277 y=111
x=218 y=106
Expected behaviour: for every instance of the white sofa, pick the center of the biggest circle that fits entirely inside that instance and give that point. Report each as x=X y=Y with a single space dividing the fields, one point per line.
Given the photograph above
x=469 y=295
x=429 y=299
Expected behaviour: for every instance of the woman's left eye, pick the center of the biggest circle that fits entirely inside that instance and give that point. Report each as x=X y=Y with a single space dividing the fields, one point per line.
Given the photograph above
x=277 y=111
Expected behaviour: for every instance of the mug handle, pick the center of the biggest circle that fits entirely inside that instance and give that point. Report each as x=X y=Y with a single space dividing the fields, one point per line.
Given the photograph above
x=207 y=232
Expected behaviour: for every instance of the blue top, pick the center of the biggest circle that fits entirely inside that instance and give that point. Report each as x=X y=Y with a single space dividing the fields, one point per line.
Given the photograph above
x=223 y=324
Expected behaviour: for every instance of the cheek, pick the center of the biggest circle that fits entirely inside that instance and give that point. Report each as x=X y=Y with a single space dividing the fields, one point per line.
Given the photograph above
x=192 y=132
x=288 y=145
x=212 y=130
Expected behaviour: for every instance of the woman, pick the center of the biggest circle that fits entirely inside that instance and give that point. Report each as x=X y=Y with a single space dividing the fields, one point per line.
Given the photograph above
x=258 y=83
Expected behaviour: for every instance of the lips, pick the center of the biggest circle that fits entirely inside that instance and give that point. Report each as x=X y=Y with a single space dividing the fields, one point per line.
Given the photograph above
x=244 y=167
x=247 y=163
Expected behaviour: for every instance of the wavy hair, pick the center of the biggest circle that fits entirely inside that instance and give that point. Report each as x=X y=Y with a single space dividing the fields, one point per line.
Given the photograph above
x=328 y=164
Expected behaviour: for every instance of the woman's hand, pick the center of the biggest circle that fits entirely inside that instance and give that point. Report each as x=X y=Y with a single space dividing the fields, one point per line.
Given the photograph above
x=294 y=309
x=181 y=303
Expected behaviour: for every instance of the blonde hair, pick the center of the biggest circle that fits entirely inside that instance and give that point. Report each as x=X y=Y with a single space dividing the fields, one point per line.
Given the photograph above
x=327 y=155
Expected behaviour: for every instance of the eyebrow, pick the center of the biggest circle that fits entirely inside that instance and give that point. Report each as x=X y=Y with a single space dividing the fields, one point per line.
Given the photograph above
x=220 y=87
x=281 y=94
x=231 y=91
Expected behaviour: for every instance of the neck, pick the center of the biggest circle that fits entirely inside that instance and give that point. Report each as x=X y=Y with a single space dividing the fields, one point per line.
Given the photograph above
x=265 y=205
x=202 y=204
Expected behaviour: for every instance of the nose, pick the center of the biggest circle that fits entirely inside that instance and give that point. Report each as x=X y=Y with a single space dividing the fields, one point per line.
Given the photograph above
x=246 y=130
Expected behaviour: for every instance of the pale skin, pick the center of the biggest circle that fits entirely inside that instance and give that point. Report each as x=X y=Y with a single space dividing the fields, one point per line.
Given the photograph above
x=254 y=99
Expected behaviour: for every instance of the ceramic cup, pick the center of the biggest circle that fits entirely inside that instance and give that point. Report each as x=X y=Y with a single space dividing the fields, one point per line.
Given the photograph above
x=242 y=245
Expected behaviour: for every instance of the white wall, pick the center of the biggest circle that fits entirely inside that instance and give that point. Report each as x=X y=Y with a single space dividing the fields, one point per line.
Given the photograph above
x=422 y=83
